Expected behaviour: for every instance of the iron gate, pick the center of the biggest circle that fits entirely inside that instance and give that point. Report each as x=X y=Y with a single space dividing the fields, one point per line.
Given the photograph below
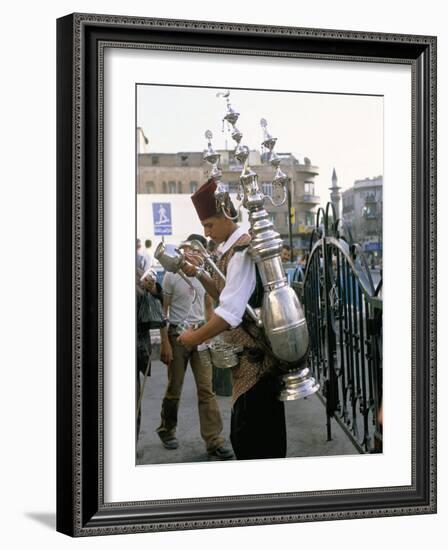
x=344 y=313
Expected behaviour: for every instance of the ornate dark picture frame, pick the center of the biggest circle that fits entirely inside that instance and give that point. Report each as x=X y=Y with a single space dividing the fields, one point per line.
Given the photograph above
x=81 y=509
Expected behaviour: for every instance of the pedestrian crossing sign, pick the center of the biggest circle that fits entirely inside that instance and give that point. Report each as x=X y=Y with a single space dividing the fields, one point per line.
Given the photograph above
x=161 y=214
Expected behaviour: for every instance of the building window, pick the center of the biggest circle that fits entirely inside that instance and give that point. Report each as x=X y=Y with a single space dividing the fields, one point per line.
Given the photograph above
x=193 y=186
x=266 y=187
x=369 y=195
x=179 y=187
x=369 y=211
x=164 y=188
x=149 y=187
x=154 y=160
x=309 y=218
x=309 y=188
x=172 y=187
x=184 y=160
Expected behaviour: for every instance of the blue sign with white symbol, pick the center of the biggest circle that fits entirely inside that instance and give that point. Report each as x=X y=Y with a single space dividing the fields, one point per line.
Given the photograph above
x=371 y=247
x=161 y=214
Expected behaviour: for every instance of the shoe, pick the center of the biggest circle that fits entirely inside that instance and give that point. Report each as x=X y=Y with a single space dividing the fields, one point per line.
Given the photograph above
x=221 y=453
x=170 y=442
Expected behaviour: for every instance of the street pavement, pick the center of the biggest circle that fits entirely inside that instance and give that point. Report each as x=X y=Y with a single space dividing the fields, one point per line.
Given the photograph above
x=305 y=420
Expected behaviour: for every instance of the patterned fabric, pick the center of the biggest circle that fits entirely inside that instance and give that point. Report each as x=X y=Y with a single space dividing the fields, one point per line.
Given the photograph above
x=247 y=373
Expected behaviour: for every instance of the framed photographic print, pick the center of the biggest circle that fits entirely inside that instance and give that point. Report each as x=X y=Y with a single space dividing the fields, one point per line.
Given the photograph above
x=246 y=274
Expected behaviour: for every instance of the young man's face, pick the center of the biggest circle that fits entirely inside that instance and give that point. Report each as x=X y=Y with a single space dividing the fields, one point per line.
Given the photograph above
x=286 y=255
x=216 y=228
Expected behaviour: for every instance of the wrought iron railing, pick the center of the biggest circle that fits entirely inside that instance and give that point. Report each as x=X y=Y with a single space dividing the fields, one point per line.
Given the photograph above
x=344 y=308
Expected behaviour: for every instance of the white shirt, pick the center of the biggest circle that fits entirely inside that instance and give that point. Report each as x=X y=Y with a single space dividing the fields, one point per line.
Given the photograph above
x=142 y=261
x=182 y=307
x=150 y=256
x=240 y=282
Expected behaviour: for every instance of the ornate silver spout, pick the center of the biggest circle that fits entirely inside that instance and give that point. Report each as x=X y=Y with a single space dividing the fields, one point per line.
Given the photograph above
x=172 y=259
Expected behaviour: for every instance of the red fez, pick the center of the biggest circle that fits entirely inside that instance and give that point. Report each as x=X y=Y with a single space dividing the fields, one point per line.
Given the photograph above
x=204 y=200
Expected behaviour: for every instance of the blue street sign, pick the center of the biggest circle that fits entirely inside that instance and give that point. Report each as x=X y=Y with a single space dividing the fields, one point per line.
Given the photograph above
x=371 y=247
x=161 y=215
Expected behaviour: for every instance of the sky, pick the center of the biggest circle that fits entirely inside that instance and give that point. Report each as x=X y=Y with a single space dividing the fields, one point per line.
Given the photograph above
x=338 y=131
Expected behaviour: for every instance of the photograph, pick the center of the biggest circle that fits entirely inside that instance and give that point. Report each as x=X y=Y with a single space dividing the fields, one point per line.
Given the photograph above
x=259 y=273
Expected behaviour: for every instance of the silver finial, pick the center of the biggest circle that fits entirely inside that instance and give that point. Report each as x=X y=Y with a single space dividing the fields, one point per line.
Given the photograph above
x=268 y=141
x=211 y=156
x=280 y=178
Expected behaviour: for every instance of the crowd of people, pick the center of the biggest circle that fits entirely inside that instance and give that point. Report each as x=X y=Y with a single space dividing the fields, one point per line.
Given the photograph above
x=183 y=305
x=200 y=310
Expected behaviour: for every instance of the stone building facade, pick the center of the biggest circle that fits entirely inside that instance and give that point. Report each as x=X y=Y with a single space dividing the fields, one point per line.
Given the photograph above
x=184 y=172
x=362 y=209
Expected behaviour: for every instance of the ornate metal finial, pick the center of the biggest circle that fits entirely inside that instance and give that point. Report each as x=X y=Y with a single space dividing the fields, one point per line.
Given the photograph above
x=268 y=141
x=212 y=156
x=223 y=94
x=221 y=192
x=231 y=116
x=241 y=152
x=280 y=179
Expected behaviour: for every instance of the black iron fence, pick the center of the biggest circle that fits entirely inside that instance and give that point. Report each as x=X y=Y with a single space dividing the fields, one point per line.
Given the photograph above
x=343 y=305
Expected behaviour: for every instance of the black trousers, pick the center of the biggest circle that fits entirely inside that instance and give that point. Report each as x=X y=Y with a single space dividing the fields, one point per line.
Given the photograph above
x=257 y=425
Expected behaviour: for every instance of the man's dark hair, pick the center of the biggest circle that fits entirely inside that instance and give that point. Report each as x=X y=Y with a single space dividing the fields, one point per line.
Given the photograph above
x=286 y=247
x=148 y=243
x=200 y=238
